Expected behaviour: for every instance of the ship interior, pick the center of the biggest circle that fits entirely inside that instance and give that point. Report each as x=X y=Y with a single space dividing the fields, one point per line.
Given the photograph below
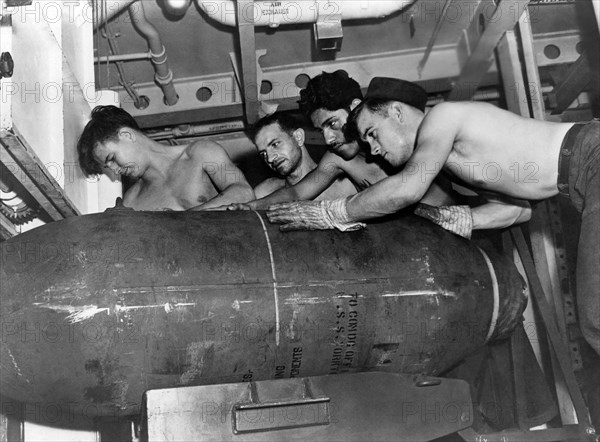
x=204 y=70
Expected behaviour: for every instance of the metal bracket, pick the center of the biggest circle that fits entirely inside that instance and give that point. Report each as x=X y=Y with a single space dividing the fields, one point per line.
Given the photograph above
x=248 y=78
x=22 y=163
x=254 y=416
x=328 y=33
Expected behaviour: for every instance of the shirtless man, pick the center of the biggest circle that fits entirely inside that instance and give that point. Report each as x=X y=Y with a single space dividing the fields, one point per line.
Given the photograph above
x=489 y=149
x=328 y=100
x=279 y=140
x=198 y=175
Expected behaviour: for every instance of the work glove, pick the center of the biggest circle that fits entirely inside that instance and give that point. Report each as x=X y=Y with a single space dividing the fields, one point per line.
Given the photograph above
x=312 y=215
x=455 y=219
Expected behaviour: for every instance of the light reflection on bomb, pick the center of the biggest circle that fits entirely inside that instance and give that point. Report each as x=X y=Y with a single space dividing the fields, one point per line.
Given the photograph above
x=97 y=309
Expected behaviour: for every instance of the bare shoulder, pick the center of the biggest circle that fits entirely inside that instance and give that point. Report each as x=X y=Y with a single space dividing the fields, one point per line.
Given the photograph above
x=331 y=163
x=456 y=112
x=448 y=111
x=204 y=150
x=268 y=186
x=331 y=158
x=450 y=118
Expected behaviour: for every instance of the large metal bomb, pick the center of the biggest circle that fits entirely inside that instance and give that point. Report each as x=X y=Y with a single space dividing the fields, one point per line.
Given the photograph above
x=99 y=308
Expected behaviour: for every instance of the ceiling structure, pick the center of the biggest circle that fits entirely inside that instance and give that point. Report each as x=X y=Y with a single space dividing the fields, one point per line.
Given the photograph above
x=206 y=56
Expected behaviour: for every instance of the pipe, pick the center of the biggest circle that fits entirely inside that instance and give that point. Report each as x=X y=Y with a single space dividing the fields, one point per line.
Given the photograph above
x=123 y=57
x=139 y=102
x=194 y=130
x=287 y=12
x=164 y=75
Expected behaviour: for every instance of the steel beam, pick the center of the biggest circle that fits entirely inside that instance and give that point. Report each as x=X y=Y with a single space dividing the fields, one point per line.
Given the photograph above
x=249 y=83
x=534 y=84
x=528 y=101
x=225 y=102
x=28 y=169
x=7 y=229
x=480 y=53
x=554 y=337
x=567 y=43
x=573 y=83
x=516 y=95
x=225 y=96
x=512 y=78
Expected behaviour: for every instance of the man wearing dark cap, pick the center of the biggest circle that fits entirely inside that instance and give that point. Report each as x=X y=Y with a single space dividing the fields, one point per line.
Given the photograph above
x=327 y=101
x=506 y=158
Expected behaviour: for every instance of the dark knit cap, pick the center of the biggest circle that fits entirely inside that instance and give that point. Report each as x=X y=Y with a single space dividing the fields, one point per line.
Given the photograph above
x=397 y=90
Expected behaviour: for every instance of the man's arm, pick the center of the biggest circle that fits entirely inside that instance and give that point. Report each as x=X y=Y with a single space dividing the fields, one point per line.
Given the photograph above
x=268 y=186
x=308 y=188
x=227 y=178
x=434 y=143
x=500 y=211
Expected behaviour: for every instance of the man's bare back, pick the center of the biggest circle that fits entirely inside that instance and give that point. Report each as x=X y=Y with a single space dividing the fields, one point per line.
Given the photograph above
x=496 y=150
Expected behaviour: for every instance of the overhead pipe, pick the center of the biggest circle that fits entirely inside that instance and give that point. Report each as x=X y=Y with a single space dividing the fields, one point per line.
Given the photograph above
x=105 y=10
x=286 y=12
x=163 y=75
x=194 y=130
x=123 y=57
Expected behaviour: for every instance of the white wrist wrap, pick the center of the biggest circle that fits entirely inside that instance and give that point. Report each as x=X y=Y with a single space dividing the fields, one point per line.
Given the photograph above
x=336 y=215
